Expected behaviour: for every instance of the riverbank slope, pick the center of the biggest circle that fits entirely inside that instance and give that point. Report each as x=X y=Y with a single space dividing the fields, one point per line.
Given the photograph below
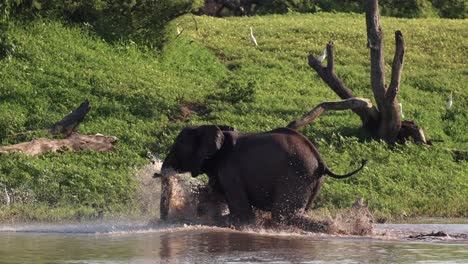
x=212 y=74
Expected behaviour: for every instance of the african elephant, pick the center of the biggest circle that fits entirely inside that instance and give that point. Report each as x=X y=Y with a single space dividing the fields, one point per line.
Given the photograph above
x=278 y=171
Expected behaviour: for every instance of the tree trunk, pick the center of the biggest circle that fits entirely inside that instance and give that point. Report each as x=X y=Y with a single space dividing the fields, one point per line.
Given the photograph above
x=387 y=103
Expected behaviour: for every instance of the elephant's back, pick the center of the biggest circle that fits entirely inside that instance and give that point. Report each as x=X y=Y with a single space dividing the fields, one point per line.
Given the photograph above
x=304 y=148
x=279 y=145
x=273 y=155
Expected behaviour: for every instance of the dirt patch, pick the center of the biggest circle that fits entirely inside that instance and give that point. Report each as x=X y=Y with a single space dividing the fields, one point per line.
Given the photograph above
x=188 y=109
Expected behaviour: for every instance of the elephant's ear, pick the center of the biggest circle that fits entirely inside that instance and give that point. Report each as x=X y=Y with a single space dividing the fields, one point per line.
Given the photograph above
x=211 y=140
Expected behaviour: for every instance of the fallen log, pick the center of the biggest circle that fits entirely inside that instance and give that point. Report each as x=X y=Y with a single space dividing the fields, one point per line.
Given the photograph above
x=73 y=141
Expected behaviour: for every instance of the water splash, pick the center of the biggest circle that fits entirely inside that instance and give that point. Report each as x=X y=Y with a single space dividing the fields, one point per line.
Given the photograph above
x=149 y=189
x=192 y=209
x=188 y=200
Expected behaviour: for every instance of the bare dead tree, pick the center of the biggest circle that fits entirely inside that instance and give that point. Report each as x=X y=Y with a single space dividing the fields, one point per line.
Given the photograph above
x=384 y=120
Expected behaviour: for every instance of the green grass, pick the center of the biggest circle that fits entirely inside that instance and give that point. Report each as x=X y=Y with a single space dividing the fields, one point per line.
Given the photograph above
x=406 y=180
x=136 y=94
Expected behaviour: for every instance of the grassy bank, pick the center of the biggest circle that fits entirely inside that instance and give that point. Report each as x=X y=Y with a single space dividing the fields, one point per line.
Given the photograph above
x=406 y=180
x=137 y=95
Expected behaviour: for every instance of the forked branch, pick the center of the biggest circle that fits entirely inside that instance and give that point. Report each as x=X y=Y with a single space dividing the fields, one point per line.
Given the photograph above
x=351 y=103
x=328 y=73
x=368 y=115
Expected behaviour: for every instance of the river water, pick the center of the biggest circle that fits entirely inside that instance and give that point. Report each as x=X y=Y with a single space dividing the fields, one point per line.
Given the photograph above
x=137 y=242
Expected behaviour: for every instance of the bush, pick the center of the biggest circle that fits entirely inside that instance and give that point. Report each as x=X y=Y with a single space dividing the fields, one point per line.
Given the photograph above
x=235 y=90
x=408 y=8
x=397 y=8
x=141 y=21
x=452 y=8
x=7 y=45
x=282 y=7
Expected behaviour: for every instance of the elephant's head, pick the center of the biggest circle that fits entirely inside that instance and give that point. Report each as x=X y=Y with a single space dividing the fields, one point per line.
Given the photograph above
x=192 y=147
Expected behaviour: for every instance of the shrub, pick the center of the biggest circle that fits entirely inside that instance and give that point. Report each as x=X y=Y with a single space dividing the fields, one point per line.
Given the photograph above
x=408 y=8
x=235 y=90
x=397 y=8
x=142 y=21
x=452 y=8
x=7 y=44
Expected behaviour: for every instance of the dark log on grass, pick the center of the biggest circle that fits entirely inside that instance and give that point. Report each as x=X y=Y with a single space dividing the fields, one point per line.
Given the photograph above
x=410 y=130
x=71 y=121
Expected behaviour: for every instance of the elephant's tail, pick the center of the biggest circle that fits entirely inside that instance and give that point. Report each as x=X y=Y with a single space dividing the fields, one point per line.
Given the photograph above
x=336 y=176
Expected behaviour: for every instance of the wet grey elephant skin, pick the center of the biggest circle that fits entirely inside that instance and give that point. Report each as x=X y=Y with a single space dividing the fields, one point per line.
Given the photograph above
x=279 y=171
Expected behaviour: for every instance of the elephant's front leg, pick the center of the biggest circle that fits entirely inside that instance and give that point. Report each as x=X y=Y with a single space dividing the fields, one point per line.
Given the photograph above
x=211 y=207
x=237 y=199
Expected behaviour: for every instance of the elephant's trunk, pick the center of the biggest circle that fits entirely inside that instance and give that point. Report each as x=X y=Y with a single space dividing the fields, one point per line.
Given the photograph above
x=165 y=199
x=166 y=175
x=167 y=169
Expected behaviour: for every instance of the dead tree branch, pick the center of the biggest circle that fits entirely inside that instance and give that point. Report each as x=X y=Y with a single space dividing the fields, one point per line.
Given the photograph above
x=375 y=44
x=328 y=75
x=384 y=121
x=351 y=103
x=71 y=121
x=397 y=67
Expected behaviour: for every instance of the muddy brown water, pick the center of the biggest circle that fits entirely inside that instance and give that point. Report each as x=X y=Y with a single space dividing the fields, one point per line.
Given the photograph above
x=137 y=242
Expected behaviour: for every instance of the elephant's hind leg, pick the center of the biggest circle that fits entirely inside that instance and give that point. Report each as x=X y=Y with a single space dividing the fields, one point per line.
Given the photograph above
x=290 y=205
x=289 y=200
